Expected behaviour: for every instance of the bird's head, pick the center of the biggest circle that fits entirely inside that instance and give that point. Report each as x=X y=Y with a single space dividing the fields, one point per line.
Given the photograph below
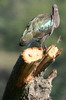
x=54 y=9
x=55 y=14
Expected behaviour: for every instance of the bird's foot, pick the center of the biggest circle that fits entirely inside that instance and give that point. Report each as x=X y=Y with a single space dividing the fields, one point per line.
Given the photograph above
x=44 y=48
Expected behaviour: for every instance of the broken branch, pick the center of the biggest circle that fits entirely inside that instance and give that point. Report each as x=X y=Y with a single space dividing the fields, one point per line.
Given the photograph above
x=25 y=72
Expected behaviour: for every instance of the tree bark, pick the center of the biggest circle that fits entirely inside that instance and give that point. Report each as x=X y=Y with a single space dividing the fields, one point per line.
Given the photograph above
x=25 y=75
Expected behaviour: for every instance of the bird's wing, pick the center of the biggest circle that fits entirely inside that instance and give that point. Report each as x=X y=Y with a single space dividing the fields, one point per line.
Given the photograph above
x=39 y=20
x=41 y=24
x=38 y=27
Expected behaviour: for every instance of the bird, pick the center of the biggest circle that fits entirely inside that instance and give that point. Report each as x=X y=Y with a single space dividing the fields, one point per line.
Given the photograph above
x=41 y=27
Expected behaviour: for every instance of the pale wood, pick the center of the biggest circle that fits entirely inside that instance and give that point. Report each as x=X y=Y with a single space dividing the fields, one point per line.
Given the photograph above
x=25 y=72
x=51 y=53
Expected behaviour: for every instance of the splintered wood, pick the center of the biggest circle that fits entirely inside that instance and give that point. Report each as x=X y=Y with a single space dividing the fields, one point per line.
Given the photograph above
x=32 y=54
x=41 y=61
x=52 y=51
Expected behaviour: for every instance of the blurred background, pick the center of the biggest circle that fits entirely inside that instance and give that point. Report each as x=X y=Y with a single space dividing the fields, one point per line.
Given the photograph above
x=14 y=16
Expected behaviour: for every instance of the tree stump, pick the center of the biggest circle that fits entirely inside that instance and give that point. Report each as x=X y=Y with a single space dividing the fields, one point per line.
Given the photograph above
x=27 y=81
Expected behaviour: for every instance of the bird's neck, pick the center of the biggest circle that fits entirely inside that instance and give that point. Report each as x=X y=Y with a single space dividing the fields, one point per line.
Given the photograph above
x=56 y=19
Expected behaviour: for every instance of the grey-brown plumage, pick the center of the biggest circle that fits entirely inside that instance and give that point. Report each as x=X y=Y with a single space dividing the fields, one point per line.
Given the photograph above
x=41 y=27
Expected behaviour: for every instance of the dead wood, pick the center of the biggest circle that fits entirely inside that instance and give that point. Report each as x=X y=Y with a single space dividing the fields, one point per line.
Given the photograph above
x=25 y=73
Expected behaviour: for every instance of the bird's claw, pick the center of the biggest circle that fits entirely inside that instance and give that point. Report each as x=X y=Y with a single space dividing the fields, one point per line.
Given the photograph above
x=44 y=49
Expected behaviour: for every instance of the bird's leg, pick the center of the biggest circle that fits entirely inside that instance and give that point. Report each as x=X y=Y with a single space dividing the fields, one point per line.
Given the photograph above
x=28 y=44
x=32 y=41
x=43 y=45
